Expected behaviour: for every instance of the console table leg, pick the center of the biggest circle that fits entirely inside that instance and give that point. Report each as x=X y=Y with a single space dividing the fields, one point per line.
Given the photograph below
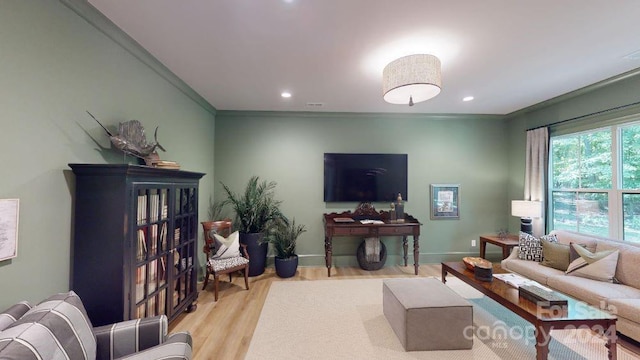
x=416 y=253
x=327 y=254
x=405 y=247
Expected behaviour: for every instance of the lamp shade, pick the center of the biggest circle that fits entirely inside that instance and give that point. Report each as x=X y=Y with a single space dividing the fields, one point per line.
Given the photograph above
x=411 y=79
x=526 y=209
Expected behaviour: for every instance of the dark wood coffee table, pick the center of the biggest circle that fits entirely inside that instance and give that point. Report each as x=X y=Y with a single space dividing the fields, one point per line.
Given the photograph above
x=576 y=314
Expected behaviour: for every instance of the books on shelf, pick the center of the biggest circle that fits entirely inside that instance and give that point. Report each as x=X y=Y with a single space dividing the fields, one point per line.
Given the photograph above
x=165 y=164
x=142 y=209
x=142 y=245
x=141 y=277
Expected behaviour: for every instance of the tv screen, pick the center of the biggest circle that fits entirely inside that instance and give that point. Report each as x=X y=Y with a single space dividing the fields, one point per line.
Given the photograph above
x=364 y=177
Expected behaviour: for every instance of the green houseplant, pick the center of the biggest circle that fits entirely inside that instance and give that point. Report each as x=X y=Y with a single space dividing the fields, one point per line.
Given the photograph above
x=283 y=237
x=256 y=211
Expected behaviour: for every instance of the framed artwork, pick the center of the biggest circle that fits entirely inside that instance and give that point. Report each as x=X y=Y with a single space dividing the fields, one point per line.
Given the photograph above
x=9 y=228
x=445 y=201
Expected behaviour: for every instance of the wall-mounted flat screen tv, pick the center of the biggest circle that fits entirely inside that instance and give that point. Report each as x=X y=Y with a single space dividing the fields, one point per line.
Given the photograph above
x=364 y=177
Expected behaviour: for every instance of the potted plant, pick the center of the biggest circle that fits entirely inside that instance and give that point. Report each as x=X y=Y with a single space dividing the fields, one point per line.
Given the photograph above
x=256 y=211
x=283 y=237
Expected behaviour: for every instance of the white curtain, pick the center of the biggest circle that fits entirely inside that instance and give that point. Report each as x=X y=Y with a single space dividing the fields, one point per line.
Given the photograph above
x=537 y=160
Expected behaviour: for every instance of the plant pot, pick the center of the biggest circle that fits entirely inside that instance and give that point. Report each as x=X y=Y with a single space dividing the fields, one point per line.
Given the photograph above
x=286 y=267
x=257 y=250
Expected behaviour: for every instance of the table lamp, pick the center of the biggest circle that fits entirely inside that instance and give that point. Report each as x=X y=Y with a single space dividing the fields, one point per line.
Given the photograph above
x=526 y=210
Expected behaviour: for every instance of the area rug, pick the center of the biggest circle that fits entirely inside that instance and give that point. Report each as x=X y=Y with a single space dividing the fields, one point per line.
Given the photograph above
x=343 y=319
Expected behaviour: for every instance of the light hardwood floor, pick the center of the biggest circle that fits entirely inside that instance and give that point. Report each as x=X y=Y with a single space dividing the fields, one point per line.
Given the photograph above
x=222 y=330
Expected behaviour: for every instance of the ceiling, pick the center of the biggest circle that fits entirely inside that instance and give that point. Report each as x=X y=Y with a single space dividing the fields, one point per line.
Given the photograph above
x=329 y=54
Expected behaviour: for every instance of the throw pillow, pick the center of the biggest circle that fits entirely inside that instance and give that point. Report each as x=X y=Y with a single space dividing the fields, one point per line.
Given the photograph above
x=556 y=255
x=57 y=328
x=12 y=314
x=599 y=266
x=573 y=254
x=530 y=246
x=226 y=247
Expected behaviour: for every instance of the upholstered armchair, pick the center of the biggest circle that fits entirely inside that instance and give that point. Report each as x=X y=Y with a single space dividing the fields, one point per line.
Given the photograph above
x=59 y=328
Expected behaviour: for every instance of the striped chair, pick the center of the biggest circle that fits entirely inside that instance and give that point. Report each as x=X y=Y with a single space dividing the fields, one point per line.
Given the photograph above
x=59 y=328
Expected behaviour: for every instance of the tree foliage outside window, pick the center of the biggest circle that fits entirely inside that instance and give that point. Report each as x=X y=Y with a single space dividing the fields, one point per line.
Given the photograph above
x=585 y=192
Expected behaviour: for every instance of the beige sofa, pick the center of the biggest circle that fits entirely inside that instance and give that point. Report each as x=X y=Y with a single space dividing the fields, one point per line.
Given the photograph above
x=621 y=298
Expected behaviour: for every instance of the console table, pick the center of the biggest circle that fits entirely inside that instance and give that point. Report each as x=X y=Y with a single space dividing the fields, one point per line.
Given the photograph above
x=345 y=227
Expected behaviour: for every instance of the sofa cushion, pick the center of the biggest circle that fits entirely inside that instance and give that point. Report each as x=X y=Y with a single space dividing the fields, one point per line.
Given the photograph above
x=594 y=292
x=530 y=269
x=556 y=255
x=57 y=328
x=628 y=260
x=13 y=313
x=626 y=308
x=599 y=266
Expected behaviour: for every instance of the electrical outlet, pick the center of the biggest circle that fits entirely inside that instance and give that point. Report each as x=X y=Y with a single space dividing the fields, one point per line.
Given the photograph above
x=473 y=242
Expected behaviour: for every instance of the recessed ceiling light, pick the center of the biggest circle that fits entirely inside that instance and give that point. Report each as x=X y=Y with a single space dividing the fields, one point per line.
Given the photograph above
x=467 y=98
x=286 y=94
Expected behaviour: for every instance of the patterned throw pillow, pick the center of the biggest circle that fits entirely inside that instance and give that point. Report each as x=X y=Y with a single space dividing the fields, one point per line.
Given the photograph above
x=57 y=328
x=531 y=247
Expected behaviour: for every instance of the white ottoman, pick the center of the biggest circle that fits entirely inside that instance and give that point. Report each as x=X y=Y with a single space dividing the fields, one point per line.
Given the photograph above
x=425 y=314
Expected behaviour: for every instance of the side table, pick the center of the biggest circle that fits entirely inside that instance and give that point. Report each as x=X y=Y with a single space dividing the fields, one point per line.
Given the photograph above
x=506 y=243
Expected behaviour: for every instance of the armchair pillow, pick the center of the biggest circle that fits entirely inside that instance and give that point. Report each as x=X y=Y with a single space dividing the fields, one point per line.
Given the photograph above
x=226 y=247
x=13 y=313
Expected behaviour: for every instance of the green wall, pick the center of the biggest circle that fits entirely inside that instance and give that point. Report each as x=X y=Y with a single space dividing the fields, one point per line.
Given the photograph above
x=288 y=148
x=54 y=65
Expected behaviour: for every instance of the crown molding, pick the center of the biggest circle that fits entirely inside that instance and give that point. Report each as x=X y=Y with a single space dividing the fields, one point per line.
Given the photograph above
x=98 y=20
x=373 y=115
x=575 y=93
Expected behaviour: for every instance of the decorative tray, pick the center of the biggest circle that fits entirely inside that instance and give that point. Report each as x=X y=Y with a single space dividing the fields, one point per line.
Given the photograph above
x=541 y=297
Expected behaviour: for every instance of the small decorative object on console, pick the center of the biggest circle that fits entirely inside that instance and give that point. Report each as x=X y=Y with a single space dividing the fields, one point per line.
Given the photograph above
x=399 y=209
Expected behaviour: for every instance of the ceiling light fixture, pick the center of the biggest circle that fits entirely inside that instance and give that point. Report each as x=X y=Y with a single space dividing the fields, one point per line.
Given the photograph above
x=467 y=98
x=411 y=79
x=286 y=94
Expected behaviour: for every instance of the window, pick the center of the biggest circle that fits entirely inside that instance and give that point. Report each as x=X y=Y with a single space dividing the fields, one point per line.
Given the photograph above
x=595 y=182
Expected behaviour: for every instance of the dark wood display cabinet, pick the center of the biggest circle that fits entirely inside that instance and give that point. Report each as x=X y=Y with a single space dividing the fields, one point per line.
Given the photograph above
x=135 y=241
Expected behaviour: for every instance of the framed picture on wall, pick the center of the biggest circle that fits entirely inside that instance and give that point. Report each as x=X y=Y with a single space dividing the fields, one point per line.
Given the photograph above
x=9 y=228
x=445 y=201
